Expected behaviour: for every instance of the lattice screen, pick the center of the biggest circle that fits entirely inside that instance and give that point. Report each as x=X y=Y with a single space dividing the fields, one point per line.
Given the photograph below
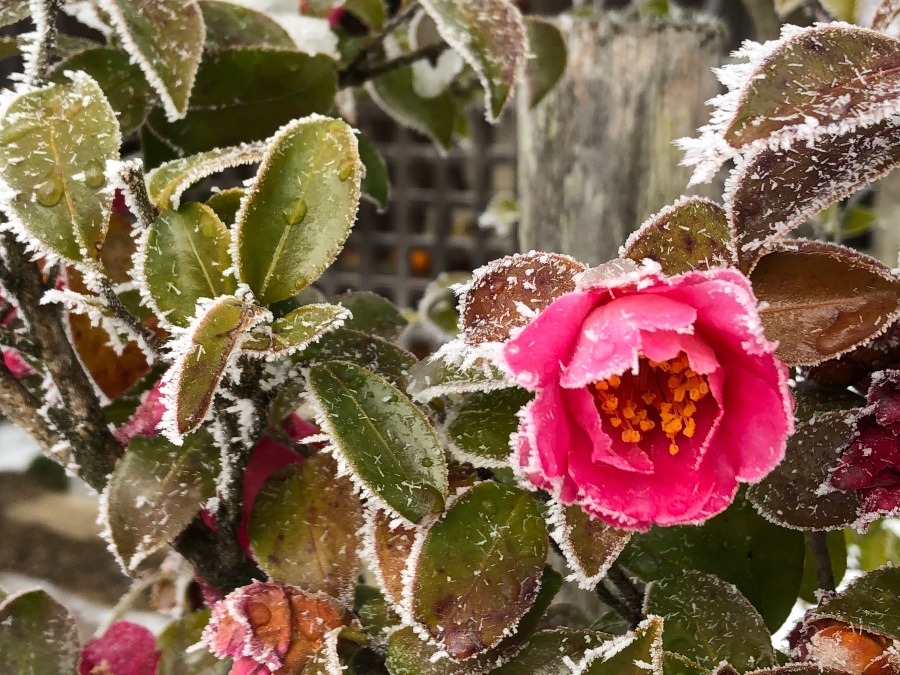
x=431 y=224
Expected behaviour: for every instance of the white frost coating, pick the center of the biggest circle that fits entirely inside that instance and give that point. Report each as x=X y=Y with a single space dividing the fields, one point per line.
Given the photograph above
x=122 y=30
x=31 y=42
x=368 y=550
x=311 y=35
x=214 y=162
x=103 y=520
x=460 y=43
x=430 y=81
x=86 y=13
x=610 y=648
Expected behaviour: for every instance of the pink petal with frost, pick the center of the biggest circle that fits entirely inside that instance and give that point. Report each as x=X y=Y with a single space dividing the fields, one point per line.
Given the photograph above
x=607 y=446
x=247 y=666
x=552 y=434
x=534 y=355
x=144 y=420
x=126 y=649
x=17 y=365
x=610 y=339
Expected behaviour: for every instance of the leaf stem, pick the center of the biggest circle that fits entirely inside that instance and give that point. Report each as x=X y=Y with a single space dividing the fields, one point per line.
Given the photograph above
x=37 y=65
x=627 y=589
x=818 y=545
x=147 y=336
x=131 y=174
x=362 y=76
x=617 y=605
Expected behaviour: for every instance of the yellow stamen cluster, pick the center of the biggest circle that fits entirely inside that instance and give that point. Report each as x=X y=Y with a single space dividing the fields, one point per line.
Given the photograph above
x=668 y=390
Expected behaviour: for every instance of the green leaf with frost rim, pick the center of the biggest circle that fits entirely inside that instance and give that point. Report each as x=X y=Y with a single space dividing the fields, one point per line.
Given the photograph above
x=121 y=81
x=551 y=652
x=376 y=184
x=372 y=314
x=868 y=603
x=37 y=635
x=167 y=182
x=204 y=353
x=296 y=330
x=482 y=426
x=54 y=146
x=230 y=26
x=165 y=38
x=299 y=211
x=490 y=35
x=436 y=377
x=184 y=257
x=549 y=58
x=155 y=492
x=589 y=545
x=710 y=621
x=479 y=569
x=638 y=652
x=381 y=437
x=304 y=528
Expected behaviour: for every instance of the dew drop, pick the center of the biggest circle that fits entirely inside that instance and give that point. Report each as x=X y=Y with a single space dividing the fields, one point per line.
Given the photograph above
x=94 y=177
x=427 y=462
x=346 y=169
x=296 y=212
x=50 y=192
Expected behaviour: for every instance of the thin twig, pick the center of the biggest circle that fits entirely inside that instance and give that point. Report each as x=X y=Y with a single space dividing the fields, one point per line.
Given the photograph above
x=45 y=27
x=132 y=176
x=617 y=605
x=18 y=341
x=147 y=336
x=818 y=545
x=389 y=27
x=21 y=407
x=362 y=76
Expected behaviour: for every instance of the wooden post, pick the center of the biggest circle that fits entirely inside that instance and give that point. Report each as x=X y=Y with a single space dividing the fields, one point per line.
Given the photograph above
x=596 y=156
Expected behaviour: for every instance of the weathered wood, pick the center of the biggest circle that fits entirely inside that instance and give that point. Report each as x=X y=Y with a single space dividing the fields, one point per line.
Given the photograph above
x=596 y=156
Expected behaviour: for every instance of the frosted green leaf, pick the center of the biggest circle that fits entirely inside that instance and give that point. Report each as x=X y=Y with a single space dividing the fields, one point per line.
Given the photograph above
x=483 y=425
x=37 y=635
x=54 y=145
x=156 y=490
x=229 y=26
x=549 y=58
x=382 y=438
x=165 y=38
x=490 y=36
x=295 y=330
x=300 y=209
x=185 y=255
x=641 y=654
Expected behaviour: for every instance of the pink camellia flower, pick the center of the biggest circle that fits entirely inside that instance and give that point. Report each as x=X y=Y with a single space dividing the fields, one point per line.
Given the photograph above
x=272 y=628
x=871 y=463
x=655 y=397
x=124 y=649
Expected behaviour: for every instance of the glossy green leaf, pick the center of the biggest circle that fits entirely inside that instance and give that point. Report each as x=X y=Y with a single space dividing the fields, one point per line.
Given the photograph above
x=54 y=145
x=185 y=255
x=869 y=603
x=295 y=331
x=165 y=38
x=482 y=427
x=551 y=652
x=438 y=307
x=790 y=496
x=166 y=183
x=641 y=655
x=490 y=36
x=709 y=621
x=245 y=95
x=692 y=234
x=385 y=440
x=175 y=642
x=304 y=528
x=548 y=63
x=376 y=184
x=435 y=117
x=231 y=26
x=299 y=211
x=479 y=569
x=373 y=314
x=380 y=356
x=763 y=560
x=121 y=81
x=589 y=545
x=226 y=204
x=435 y=377
x=155 y=491
x=408 y=654
x=37 y=635
x=191 y=382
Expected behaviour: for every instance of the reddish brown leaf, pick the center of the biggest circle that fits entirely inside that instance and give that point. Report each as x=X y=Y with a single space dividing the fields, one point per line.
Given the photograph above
x=589 y=545
x=491 y=306
x=820 y=300
x=775 y=191
x=855 y=368
x=692 y=234
x=390 y=549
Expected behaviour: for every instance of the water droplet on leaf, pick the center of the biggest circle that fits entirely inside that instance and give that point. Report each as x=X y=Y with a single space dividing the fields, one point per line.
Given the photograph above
x=427 y=463
x=94 y=176
x=296 y=212
x=346 y=169
x=50 y=192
